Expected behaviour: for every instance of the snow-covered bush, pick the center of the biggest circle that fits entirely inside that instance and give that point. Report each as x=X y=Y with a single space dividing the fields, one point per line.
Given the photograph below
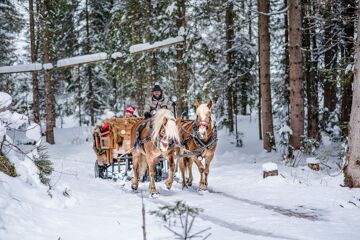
x=30 y=164
x=309 y=146
x=285 y=133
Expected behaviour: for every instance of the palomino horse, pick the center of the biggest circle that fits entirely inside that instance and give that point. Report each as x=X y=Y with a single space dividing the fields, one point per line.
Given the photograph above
x=199 y=138
x=153 y=138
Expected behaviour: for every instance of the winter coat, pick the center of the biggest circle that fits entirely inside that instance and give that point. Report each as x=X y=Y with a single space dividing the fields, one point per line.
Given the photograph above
x=154 y=104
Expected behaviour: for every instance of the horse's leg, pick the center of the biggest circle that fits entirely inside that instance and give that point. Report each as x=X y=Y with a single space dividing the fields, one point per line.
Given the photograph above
x=135 y=179
x=207 y=167
x=170 y=179
x=201 y=168
x=190 y=174
x=152 y=164
x=182 y=166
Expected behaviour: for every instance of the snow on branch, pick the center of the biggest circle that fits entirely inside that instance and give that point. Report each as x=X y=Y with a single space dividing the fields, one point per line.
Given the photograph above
x=275 y=13
x=21 y=68
x=81 y=59
x=147 y=46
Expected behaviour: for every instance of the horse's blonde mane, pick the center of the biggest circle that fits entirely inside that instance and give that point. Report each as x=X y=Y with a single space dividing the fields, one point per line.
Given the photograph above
x=171 y=130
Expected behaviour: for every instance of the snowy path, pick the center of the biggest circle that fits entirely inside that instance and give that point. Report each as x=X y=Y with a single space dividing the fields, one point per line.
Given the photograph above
x=239 y=204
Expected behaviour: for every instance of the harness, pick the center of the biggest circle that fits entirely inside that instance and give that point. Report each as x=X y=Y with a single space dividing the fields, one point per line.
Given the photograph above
x=204 y=146
x=140 y=142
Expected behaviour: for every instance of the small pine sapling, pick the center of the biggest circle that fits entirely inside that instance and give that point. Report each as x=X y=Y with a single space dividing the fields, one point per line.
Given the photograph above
x=179 y=220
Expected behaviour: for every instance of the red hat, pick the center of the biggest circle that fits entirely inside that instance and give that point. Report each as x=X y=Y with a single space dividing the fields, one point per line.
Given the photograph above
x=130 y=110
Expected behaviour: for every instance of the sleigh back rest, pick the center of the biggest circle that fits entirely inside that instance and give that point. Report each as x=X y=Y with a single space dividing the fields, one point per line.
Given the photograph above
x=121 y=131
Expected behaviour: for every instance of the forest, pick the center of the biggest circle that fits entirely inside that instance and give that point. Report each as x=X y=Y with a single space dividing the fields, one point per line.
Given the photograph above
x=289 y=67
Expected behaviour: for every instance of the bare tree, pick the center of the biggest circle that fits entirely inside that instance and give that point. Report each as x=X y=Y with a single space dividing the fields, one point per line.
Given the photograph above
x=352 y=170
x=89 y=69
x=49 y=85
x=296 y=75
x=181 y=62
x=264 y=59
x=35 y=82
x=229 y=20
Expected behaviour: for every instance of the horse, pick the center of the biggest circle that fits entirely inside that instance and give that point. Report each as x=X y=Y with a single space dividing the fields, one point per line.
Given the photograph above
x=199 y=138
x=153 y=138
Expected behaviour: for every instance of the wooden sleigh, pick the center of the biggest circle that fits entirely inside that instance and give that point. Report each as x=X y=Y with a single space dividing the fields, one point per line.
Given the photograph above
x=112 y=146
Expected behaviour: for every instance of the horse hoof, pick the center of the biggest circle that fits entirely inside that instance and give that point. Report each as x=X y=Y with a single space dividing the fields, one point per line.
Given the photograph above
x=202 y=187
x=154 y=195
x=168 y=185
x=134 y=187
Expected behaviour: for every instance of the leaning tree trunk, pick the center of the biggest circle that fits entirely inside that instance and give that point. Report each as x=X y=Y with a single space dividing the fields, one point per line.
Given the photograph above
x=181 y=63
x=346 y=91
x=229 y=20
x=352 y=170
x=264 y=55
x=49 y=85
x=296 y=75
x=35 y=82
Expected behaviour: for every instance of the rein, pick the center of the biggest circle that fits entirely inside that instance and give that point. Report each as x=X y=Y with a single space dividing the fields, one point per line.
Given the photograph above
x=197 y=140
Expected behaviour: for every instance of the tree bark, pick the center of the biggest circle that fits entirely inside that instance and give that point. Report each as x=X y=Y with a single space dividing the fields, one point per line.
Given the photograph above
x=181 y=63
x=89 y=70
x=229 y=20
x=35 y=82
x=286 y=93
x=309 y=44
x=352 y=170
x=49 y=85
x=264 y=55
x=329 y=59
x=296 y=75
x=346 y=91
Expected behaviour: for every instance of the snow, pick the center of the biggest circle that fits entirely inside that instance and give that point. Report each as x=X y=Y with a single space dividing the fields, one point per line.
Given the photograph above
x=299 y=204
x=147 y=46
x=5 y=100
x=48 y=66
x=312 y=160
x=17 y=120
x=33 y=132
x=21 y=68
x=285 y=129
x=117 y=55
x=269 y=166
x=81 y=59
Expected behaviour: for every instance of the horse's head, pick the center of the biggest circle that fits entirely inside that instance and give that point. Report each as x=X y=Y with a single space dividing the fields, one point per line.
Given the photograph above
x=164 y=129
x=203 y=118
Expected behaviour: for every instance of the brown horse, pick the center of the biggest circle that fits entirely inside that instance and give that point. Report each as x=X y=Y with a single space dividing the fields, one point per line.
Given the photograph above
x=199 y=138
x=153 y=138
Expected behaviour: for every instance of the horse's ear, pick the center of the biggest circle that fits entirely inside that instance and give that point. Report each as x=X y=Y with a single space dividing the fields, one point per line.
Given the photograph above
x=197 y=103
x=209 y=104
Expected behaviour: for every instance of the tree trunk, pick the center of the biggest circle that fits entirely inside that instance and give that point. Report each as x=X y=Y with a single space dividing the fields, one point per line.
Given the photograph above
x=352 y=170
x=346 y=91
x=264 y=55
x=49 y=86
x=310 y=73
x=89 y=70
x=329 y=59
x=229 y=20
x=35 y=82
x=181 y=63
x=286 y=93
x=296 y=75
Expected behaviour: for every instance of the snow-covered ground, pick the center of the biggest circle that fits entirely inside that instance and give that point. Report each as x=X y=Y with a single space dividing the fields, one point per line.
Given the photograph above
x=240 y=204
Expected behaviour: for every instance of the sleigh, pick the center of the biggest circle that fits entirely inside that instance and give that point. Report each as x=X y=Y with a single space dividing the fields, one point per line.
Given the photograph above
x=112 y=146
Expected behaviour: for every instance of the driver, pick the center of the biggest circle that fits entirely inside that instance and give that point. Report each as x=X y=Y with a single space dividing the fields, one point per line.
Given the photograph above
x=158 y=100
